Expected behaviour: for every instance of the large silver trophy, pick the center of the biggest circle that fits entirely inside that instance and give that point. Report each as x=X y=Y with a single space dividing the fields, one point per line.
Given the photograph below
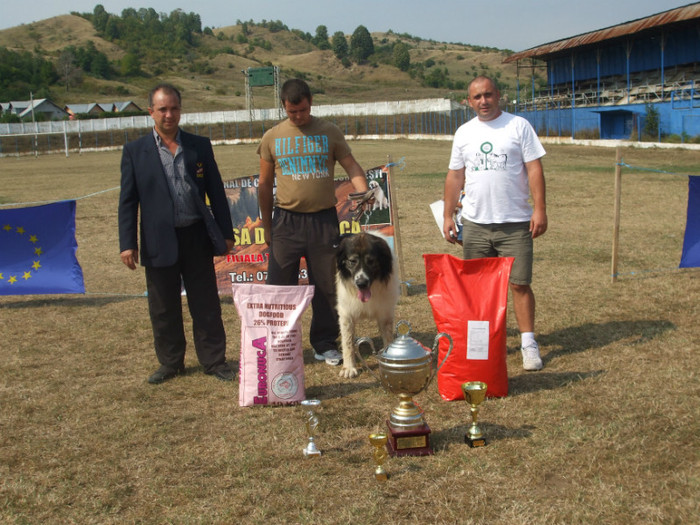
x=406 y=369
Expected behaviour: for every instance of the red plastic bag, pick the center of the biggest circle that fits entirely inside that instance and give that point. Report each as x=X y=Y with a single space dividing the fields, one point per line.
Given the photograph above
x=469 y=299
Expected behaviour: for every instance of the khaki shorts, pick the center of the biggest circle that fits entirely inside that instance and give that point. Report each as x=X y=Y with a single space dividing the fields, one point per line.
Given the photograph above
x=511 y=239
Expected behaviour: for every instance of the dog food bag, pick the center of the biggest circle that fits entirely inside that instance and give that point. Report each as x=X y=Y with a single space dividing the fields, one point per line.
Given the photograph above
x=469 y=299
x=272 y=364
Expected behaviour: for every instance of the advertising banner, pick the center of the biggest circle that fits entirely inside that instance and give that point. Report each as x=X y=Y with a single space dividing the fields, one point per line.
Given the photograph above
x=247 y=262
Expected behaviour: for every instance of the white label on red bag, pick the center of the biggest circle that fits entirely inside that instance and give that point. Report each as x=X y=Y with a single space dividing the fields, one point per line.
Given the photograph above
x=478 y=340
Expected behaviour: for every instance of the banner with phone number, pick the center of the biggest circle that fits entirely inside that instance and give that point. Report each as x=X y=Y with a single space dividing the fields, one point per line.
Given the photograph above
x=247 y=262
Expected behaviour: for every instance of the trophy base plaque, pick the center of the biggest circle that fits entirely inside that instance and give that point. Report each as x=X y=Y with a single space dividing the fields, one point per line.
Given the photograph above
x=480 y=442
x=311 y=452
x=414 y=442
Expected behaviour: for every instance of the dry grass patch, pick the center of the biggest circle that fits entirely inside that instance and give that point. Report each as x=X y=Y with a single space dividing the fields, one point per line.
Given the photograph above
x=606 y=433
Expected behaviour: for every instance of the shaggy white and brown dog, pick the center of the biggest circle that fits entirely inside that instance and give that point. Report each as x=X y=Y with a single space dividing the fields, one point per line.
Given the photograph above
x=367 y=285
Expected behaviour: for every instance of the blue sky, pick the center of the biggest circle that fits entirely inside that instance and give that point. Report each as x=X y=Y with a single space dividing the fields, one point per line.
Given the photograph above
x=505 y=24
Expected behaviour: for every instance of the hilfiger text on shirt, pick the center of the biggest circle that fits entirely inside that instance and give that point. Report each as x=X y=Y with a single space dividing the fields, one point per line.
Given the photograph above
x=303 y=157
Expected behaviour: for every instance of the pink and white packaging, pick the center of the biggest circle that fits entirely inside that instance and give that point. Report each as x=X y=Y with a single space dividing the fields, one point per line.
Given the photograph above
x=271 y=364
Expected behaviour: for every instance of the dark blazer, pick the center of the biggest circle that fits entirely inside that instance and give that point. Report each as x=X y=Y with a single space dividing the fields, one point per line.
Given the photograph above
x=144 y=186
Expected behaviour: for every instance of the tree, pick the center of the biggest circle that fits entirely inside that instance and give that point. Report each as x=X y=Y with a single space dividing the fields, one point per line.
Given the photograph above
x=401 y=57
x=21 y=72
x=361 y=44
x=112 y=29
x=100 y=18
x=651 y=121
x=130 y=65
x=100 y=66
x=321 y=38
x=89 y=59
x=339 y=44
x=70 y=73
x=437 y=78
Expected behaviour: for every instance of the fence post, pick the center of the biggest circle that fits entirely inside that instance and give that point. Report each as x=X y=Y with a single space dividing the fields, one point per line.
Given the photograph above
x=395 y=221
x=65 y=138
x=616 y=214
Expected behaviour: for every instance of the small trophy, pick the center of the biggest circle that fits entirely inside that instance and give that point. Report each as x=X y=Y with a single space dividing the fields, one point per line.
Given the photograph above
x=311 y=420
x=474 y=394
x=378 y=441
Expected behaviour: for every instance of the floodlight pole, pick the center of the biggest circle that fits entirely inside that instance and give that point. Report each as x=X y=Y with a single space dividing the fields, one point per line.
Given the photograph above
x=278 y=93
x=249 y=102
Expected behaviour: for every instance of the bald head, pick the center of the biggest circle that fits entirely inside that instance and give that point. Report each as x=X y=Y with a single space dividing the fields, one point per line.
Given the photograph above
x=484 y=98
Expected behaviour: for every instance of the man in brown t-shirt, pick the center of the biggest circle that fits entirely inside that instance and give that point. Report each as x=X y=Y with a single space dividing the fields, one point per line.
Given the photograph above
x=301 y=152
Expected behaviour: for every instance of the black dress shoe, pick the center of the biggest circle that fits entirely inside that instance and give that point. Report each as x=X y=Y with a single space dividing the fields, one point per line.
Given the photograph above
x=223 y=373
x=164 y=373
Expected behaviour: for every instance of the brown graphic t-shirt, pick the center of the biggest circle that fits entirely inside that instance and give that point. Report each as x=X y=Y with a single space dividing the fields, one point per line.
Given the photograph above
x=304 y=159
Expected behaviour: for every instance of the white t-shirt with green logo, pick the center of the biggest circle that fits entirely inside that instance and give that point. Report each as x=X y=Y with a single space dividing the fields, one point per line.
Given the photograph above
x=494 y=154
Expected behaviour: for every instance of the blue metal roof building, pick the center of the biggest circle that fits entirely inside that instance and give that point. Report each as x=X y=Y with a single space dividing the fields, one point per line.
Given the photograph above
x=604 y=82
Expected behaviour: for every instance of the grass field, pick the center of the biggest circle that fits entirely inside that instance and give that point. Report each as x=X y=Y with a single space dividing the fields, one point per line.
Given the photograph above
x=606 y=433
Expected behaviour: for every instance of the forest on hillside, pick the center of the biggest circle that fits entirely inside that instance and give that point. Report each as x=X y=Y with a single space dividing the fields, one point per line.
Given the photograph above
x=152 y=42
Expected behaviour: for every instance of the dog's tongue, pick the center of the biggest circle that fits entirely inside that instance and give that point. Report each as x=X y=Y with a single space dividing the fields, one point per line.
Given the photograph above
x=364 y=295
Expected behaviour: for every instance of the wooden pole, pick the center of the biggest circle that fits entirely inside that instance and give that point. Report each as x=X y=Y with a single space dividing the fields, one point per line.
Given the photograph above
x=616 y=220
x=397 y=230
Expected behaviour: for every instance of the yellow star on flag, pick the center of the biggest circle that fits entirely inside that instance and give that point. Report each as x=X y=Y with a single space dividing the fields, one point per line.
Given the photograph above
x=37 y=250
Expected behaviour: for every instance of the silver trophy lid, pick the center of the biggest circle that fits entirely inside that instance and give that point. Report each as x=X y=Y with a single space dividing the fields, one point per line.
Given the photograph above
x=405 y=348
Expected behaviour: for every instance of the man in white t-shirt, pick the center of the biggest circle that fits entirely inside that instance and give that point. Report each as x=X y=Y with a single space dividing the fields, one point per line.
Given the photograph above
x=496 y=161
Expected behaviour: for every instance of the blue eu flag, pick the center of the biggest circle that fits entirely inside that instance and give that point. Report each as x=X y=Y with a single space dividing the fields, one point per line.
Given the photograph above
x=37 y=250
x=691 y=243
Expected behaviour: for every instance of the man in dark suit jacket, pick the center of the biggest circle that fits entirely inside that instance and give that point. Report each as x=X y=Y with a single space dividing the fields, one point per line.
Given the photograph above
x=167 y=174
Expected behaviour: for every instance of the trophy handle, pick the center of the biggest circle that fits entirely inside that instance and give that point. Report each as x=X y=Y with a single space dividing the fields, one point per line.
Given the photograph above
x=434 y=351
x=435 y=344
x=358 y=342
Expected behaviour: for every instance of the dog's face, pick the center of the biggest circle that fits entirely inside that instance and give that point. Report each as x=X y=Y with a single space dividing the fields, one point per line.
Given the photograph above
x=362 y=259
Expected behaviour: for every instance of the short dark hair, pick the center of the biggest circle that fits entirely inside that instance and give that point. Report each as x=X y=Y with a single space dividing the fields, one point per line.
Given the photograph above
x=482 y=78
x=295 y=90
x=167 y=88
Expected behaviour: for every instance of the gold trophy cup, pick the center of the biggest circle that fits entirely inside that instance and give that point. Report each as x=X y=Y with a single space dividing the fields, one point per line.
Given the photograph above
x=474 y=394
x=406 y=369
x=378 y=441
x=311 y=421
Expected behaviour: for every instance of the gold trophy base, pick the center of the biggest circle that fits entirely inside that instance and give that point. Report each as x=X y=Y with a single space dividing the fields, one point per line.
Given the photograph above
x=415 y=442
x=474 y=442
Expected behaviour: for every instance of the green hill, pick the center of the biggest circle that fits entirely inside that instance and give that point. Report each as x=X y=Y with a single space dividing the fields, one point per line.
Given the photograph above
x=208 y=64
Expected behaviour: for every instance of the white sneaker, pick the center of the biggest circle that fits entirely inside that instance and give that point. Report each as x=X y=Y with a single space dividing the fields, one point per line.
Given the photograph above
x=531 y=357
x=331 y=357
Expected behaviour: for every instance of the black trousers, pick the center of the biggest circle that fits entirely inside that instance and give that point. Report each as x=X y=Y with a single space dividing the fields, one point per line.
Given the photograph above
x=313 y=236
x=194 y=268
